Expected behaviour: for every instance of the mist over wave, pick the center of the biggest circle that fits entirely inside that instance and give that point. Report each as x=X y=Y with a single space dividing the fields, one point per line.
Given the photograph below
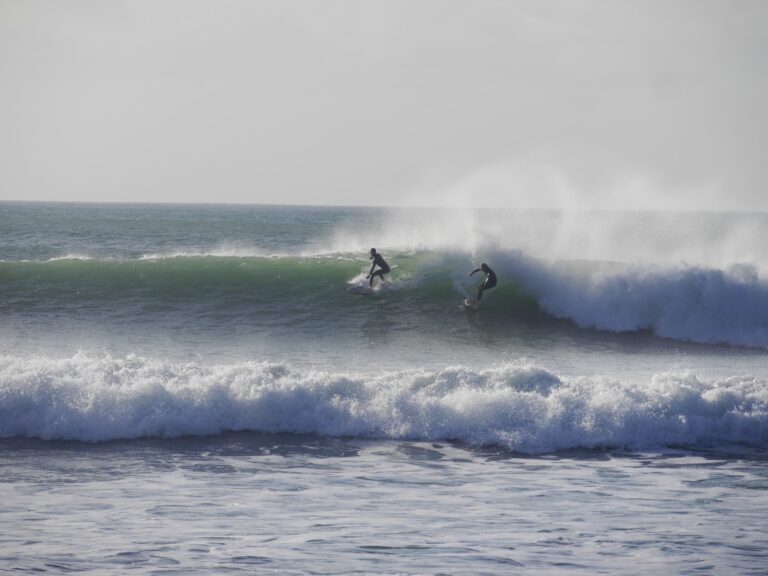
x=708 y=240
x=516 y=406
x=131 y=231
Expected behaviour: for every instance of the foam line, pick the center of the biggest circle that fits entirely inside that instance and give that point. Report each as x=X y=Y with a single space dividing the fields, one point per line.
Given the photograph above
x=519 y=407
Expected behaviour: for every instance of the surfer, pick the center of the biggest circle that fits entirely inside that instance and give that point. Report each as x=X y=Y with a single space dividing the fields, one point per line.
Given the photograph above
x=377 y=261
x=488 y=283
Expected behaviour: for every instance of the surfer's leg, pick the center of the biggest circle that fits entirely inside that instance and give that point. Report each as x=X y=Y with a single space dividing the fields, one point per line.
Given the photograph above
x=380 y=273
x=484 y=286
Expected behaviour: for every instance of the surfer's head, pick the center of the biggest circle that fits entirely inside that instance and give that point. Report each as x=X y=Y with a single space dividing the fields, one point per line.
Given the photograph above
x=373 y=252
x=484 y=267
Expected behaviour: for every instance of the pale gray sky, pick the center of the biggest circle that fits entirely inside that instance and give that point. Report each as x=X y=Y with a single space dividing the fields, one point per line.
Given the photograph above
x=640 y=104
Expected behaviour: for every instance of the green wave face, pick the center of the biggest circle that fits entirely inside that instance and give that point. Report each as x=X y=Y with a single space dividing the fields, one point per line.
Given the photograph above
x=232 y=286
x=309 y=297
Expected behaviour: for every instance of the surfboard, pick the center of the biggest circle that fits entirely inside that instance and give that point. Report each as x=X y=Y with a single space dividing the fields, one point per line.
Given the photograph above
x=472 y=303
x=360 y=290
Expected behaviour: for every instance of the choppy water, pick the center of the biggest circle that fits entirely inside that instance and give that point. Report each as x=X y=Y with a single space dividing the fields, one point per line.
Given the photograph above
x=195 y=389
x=250 y=504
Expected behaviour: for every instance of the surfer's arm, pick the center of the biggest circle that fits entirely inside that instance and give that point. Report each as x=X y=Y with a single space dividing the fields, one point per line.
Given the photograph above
x=371 y=272
x=474 y=271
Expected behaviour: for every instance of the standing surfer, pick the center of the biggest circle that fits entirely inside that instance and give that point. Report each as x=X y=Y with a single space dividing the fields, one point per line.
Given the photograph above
x=381 y=263
x=488 y=283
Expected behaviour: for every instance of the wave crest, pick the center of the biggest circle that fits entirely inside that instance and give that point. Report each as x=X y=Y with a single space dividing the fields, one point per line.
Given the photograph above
x=708 y=306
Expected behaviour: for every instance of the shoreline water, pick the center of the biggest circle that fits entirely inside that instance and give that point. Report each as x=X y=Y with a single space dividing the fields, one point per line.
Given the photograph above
x=311 y=505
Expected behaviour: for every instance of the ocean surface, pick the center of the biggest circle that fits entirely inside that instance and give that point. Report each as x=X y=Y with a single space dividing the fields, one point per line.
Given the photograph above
x=198 y=389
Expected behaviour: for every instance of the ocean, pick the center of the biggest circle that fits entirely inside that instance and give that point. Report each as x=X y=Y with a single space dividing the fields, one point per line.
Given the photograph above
x=194 y=389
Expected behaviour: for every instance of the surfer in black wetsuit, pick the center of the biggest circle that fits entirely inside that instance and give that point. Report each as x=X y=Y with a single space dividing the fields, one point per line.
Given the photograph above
x=377 y=261
x=490 y=279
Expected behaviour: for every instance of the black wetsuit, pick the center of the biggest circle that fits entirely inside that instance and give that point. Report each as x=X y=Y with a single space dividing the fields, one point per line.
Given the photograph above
x=383 y=267
x=490 y=282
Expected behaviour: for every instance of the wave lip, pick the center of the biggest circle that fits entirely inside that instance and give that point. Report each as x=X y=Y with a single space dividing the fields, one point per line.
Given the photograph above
x=518 y=407
x=690 y=304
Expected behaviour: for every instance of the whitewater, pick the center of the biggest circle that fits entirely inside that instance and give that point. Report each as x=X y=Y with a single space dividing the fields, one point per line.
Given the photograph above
x=196 y=389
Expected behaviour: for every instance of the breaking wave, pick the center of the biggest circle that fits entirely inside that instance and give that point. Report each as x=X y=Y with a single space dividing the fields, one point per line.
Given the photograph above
x=687 y=303
x=518 y=406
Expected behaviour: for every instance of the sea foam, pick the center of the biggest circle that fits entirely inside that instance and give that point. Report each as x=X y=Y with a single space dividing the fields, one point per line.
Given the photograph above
x=690 y=303
x=518 y=407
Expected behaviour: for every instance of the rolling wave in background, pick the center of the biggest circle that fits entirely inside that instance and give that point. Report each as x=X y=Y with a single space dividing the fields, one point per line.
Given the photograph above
x=516 y=406
x=683 y=302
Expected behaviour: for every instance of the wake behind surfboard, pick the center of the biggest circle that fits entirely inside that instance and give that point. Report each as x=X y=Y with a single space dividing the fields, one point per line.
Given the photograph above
x=360 y=290
x=472 y=303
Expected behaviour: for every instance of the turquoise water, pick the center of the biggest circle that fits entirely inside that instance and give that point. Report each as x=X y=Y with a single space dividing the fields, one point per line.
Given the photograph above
x=186 y=372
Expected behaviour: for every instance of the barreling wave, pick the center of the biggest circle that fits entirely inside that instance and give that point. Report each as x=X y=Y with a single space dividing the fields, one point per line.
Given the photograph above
x=686 y=303
x=518 y=407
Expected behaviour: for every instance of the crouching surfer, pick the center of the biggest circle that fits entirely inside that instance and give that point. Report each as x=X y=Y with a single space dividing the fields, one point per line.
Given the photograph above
x=488 y=283
x=381 y=263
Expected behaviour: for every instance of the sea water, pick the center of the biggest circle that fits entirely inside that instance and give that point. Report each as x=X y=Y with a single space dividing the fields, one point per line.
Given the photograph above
x=194 y=390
